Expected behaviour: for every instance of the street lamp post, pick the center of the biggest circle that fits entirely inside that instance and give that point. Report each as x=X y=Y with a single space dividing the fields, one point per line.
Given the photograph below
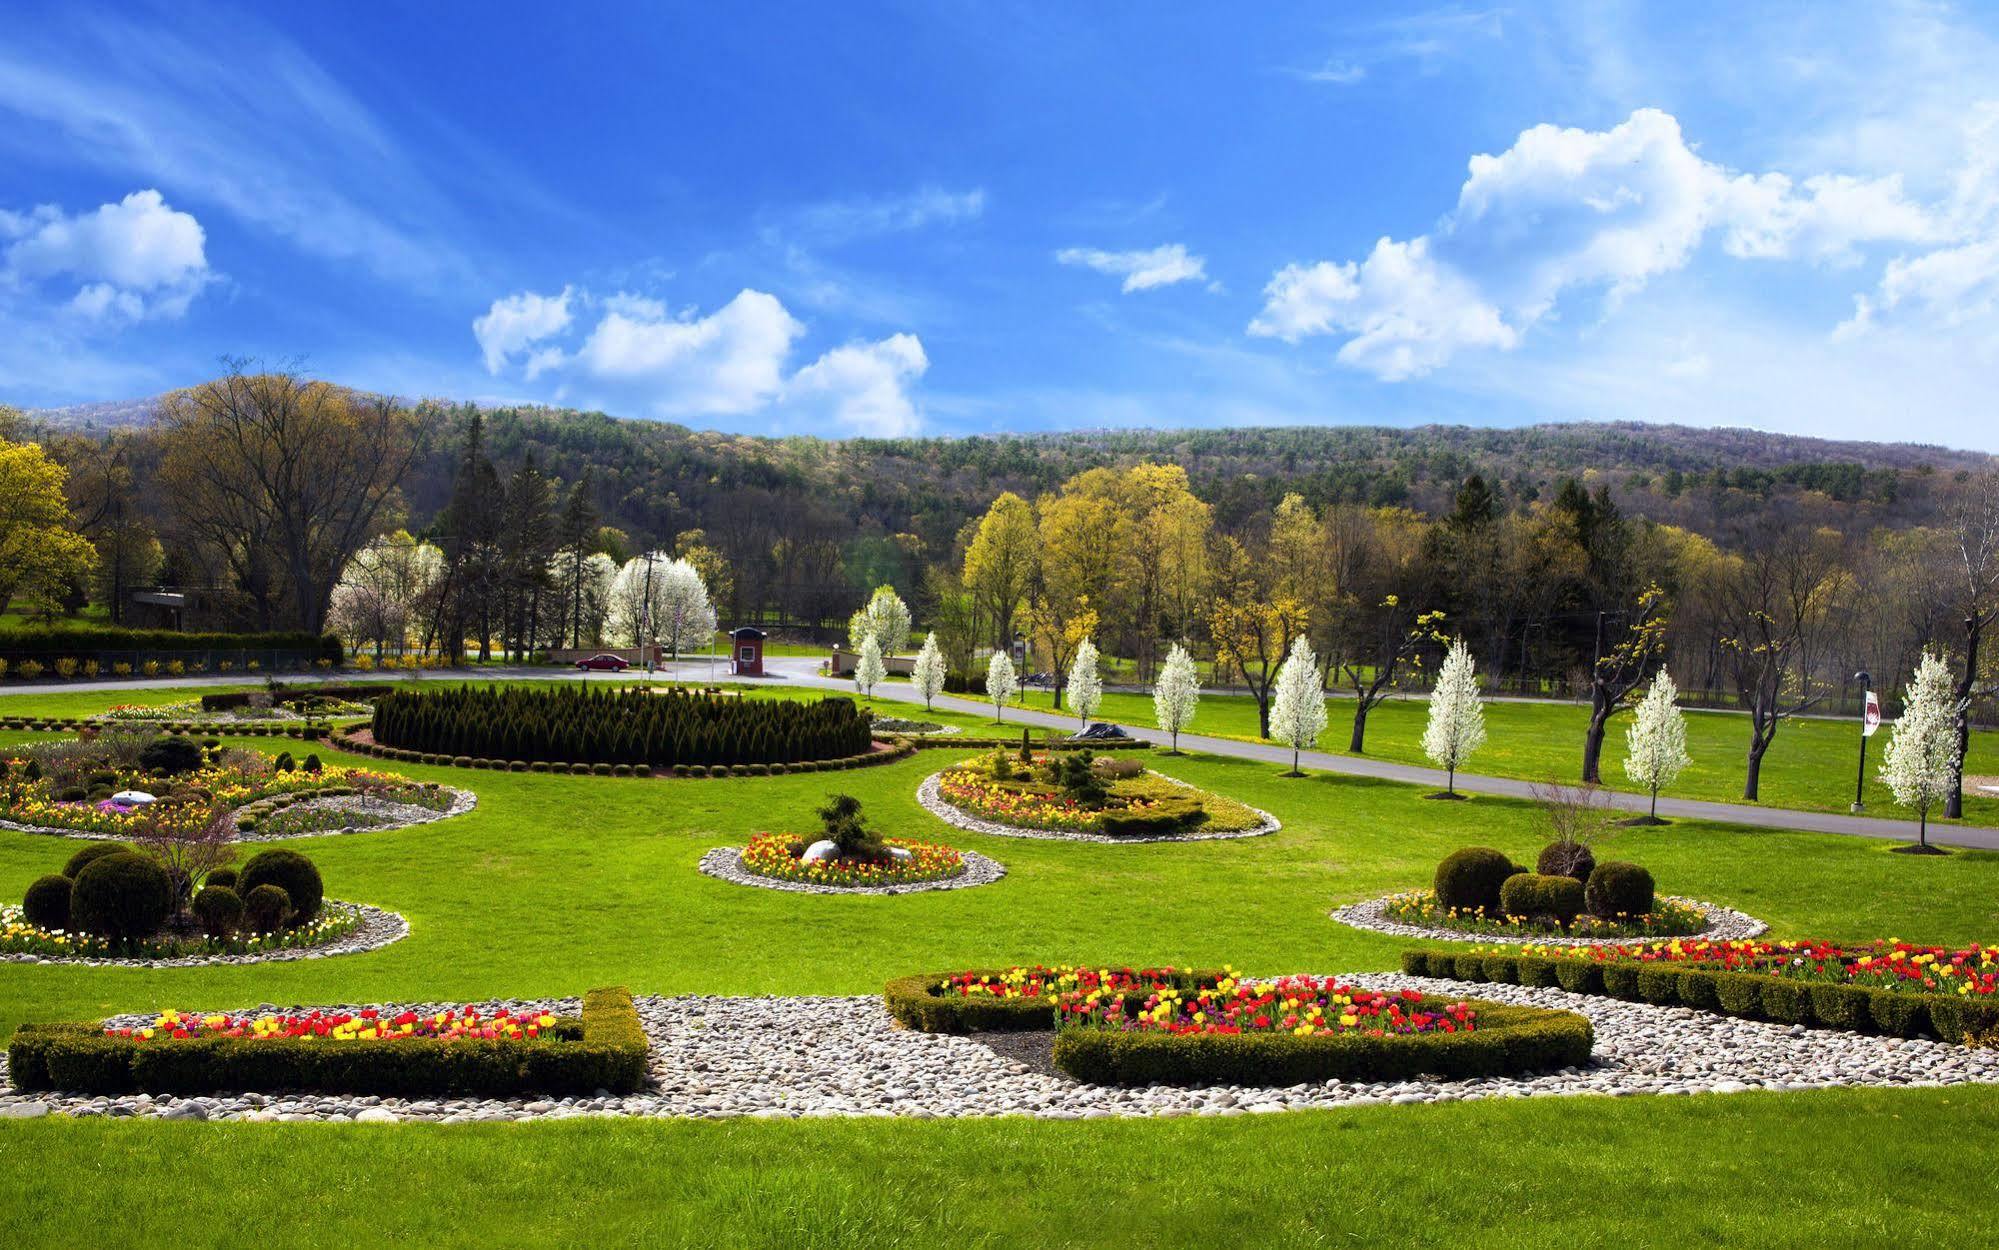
x=1864 y=679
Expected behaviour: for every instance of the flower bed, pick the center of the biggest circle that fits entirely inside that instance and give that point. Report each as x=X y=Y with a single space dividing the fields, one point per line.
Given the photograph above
x=1887 y=987
x=777 y=855
x=350 y=809
x=198 y=711
x=1126 y=802
x=335 y=922
x=1669 y=918
x=1169 y=1026
x=366 y=1025
x=344 y=1052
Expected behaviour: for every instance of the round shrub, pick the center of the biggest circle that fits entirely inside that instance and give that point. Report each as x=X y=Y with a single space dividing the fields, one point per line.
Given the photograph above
x=219 y=909
x=1619 y=889
x=1566 y=859
x=171 y=754
x=89 y=852
x=46 y=903
x=289 y=871
x=224 y=877
x=284 y=763
x=1470 y=879
x=123 y=896
x=1540 y=896
x=267 y=908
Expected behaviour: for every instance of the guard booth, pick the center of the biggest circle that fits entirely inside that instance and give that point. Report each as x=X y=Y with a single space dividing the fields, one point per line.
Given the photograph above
x=746 y=651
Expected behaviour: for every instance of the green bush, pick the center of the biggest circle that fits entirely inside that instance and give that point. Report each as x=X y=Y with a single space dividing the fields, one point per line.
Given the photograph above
x=1537 y=971
x=46 y=904
x=1786 y=1002
x=89 y=851
x=219 y=909
x=1739 y=994
x=123 y=897
x=171 y=754
x=1897 y=1014
x=1698 y=990
x=1842 y=1006
x=1504 y=969
x=291 y=872
x=267 y=908
x=1469 y=967
x=1619 y=889
x=225 y=877
x=1620 y=980
x=284 y=763
x=919 y=1003
x=1659 y=984
x=1470 y=879
x=1536 y=896
x=608 y=1051
x=1579 y=976
x=1154 y=822
x=1566 y=859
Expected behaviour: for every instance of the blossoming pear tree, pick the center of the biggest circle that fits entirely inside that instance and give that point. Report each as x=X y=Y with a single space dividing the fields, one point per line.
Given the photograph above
x=1655 y=746
x=1298 y=709
x=1176 y=693
x=928 y=675
x=870 y=669
x=1457 y=716
x=1086 y=685
x=1920 y=764
x=1001 y=683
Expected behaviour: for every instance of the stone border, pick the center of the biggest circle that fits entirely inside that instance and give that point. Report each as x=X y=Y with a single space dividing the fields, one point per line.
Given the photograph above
x=378 y=928
x=1725 y=924
x=462 y=801
x=933 y=802
x=725 y=863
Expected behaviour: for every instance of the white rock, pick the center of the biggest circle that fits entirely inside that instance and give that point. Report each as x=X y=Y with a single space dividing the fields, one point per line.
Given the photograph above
x=133 y=798
x=823 y=849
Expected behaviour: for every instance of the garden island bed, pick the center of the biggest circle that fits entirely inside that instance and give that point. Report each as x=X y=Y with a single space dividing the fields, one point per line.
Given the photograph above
x=1078 y=796
x=1406 y=915
x=845 y=856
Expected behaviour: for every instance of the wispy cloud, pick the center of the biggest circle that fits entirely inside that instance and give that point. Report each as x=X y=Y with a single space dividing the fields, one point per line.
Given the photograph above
x=834 y=222
x=1141 y=270
x=1426 y=41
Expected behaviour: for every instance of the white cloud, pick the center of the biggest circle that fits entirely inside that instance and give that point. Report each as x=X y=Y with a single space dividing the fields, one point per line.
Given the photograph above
x=838 y=221
x=866 y=385
x=1566 y=210
x=515 y=323
x=133 y=259
x=730 y=361
x=1141 y=270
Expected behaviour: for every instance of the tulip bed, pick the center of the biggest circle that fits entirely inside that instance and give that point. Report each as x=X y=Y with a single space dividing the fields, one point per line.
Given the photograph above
x=1166 y=1026
x=777 y=855
x=239 y=781
x=1134 y=802
x=1890 y=987
x=456 y=1054
x=1419 y=907
x=18 y=937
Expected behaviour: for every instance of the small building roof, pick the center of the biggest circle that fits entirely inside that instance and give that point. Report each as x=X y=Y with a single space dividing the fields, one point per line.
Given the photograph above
x=747 y=631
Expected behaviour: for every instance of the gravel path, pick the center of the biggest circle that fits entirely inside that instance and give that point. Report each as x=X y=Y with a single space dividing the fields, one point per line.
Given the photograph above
x=782 y=1057
x=929 y=796
x=1725 y=924
x=725 y=863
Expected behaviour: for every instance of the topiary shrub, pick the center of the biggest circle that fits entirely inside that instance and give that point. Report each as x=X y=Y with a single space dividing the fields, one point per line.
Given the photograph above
x=122 y=897
x=1566 y=859
x=284 y=763
x=93 y=850
x=289 y=871
x=1470 y=879
x=219 y=909
x=224 y=877
x=1619 y=889
x=267 y=908
x=171 y=755
x=312 y=764
x=1541 y=898
x=46 y=904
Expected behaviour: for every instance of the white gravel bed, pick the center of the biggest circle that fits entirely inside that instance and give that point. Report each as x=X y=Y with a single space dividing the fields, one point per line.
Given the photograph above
x=717 y=1058
x=1724 y=924
x=933 y=802
x=399 y=815
x=725 y=863
x=378 y=928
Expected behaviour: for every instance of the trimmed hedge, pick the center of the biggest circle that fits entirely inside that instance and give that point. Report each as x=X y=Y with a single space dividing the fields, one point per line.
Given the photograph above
x=608 y=1050
x=1749 y=995
x=902 y=750
x=97 y=640
x=1533 y=895
x=917 y=1003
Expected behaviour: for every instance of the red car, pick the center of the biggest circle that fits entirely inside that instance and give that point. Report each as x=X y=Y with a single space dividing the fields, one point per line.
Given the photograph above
x=604 y=662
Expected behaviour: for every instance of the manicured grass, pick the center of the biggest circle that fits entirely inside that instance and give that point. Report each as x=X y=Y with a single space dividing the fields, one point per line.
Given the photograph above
x=1837 y=1168
x=555 y=884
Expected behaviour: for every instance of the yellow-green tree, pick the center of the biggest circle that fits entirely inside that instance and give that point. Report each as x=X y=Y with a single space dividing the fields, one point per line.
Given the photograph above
x=1002 y=562
x=41 y=554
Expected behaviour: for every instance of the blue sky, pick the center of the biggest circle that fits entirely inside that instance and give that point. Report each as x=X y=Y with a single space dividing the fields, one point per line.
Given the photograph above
x=954 y=218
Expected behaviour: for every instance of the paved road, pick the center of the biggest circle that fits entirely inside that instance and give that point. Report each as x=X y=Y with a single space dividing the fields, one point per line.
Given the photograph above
x=803 y=671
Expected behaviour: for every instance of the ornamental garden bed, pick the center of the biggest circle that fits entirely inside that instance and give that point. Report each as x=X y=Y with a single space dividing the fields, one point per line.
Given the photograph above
x=390 y=1051
x=1165 y=1026
x=256 y=710
x=394 y=804
x=1892 y=988
x=847 y=857
x=1081 y=797
x=307 y=729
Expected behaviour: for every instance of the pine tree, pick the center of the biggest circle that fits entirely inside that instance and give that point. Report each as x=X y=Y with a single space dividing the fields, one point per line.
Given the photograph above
x=1176 y=694
x=1655 y=746
x=1457 y=717
x=1920 y=764
x=1298 y=708
x=1086 y=685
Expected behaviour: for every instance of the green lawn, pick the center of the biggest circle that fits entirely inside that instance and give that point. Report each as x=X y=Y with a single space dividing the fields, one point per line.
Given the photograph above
x=1838 y=1168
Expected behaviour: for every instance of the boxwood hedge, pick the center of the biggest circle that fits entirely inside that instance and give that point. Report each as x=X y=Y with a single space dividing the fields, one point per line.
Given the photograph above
x=606 y=1049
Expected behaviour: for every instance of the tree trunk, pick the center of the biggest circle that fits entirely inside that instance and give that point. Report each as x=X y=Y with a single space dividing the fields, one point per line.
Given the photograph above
x=1754 y=776
x=1357 y=743
x=1599 y=720
x=1263 y=713
x=1974 y=627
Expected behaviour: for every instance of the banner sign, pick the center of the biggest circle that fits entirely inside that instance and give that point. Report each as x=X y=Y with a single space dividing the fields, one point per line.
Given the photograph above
x=1871 y=718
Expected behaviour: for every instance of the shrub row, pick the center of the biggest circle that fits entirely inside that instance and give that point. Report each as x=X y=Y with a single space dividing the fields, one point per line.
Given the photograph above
x=240 y=729
x=229 y=701
x=81 y=640
x=348 y=742
x=588 y=725
x=606 y=1051
x=1779 y=1000
x=1506 y=1040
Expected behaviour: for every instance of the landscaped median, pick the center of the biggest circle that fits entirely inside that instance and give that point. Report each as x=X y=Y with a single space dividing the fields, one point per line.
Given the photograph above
x=1165 y=1026
x=390 y=1052
x=1893 y=988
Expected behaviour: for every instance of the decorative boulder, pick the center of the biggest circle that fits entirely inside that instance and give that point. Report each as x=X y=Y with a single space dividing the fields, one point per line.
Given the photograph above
x=899 y=853
x=132 y=798
x=820 y=852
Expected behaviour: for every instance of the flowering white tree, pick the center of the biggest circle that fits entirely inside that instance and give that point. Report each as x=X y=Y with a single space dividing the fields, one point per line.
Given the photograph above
x=886 y=618
x=1298 y=706
x=677 y=613
x=1920 y=764
x=595 y=578
x=1457 y=717
x=1655 y=746
x=1001 y=683
x=382 y=589
x=928 y=674
x=1086 y=685
x=1176 y=693
x=870 y=669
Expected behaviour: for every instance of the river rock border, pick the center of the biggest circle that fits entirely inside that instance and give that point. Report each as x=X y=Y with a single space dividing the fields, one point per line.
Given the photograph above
x=725 y=863
x=1724 y=924
x=378 y=928
x=808 y=1057
x=933 y=802
x=462 y=801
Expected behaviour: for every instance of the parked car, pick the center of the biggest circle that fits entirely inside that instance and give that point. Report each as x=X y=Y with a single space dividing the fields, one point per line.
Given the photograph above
x=604 y=663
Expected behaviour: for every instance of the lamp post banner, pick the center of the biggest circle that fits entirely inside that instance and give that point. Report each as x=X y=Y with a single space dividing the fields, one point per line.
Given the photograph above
x=1871 y=719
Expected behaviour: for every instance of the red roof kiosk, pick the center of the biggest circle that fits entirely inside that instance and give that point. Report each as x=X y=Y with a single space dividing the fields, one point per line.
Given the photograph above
x=746 y=651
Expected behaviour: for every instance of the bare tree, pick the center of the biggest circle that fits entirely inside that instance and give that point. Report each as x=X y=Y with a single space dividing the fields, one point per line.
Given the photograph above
x=1974 y=523
x=1777 y=606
